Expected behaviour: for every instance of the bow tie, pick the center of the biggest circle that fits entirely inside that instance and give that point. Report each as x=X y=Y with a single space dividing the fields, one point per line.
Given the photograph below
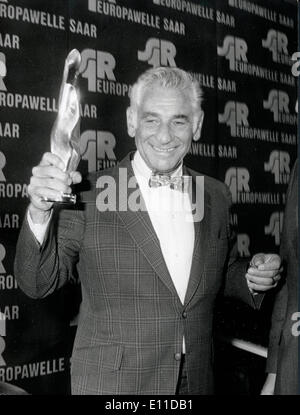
x=177 y=183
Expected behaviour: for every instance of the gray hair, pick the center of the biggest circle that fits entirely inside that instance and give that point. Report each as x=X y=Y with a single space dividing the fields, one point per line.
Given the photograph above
x=167 y=78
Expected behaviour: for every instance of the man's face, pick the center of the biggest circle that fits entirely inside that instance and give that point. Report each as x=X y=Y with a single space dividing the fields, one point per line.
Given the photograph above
x=164 y=127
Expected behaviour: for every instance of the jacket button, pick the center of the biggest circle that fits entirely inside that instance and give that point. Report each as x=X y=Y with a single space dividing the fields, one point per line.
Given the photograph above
x=184 y=314
x=177 y=356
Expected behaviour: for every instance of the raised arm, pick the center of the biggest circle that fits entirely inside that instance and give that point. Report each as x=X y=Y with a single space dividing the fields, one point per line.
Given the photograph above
x=49 y=240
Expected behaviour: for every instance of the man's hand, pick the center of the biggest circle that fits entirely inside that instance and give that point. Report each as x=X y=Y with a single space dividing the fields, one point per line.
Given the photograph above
x=264 y=272
x=48 y=180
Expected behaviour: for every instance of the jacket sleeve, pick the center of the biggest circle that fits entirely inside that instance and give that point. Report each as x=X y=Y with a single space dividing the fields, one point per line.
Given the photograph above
x=236 y=267
x=41 y=269
x=281 y=300
x=278 y=317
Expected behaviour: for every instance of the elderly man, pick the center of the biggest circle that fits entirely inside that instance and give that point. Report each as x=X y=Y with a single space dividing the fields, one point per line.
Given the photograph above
x=150 y=270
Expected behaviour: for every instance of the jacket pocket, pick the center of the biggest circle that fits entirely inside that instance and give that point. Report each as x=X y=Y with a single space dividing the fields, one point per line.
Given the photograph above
x=94 y=358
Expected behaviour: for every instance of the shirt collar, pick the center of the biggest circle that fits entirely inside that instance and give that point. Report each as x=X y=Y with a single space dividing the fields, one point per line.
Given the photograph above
x=141 y=168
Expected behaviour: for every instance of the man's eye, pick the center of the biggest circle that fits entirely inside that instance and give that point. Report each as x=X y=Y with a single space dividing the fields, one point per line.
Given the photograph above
x=179 y=123
x=151 y=121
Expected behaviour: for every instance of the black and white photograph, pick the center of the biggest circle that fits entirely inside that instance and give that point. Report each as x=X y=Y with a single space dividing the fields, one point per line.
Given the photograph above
x=149 y=200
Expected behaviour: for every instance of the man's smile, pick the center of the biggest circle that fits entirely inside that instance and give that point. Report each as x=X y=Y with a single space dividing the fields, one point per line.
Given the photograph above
x=163 y=150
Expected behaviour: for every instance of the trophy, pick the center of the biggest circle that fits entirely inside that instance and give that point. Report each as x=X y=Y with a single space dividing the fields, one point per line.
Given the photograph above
x=65 y=133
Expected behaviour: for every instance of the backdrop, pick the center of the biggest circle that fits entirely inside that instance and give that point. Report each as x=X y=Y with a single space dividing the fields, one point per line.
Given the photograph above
x=240 y=52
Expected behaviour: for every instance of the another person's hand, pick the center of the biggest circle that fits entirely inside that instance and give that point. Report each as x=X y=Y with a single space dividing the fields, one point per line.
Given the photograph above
x=269 y=385
x=264 y=272
x=48 y=180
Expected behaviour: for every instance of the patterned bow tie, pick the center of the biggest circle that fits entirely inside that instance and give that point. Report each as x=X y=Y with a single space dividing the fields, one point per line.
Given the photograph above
x=176 y=183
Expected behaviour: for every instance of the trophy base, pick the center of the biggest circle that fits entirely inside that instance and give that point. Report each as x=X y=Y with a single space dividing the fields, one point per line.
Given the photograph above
x=66 y=198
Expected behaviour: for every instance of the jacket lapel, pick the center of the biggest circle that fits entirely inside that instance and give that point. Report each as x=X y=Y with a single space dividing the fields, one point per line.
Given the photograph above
x=140 y=228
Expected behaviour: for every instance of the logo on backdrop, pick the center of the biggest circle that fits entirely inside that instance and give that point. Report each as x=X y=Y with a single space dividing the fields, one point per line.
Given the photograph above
x=243 y=242
x=278 y=103
x=3 y=71
x=97 y=147
x=2 y=341
x=97 y=65
x=296 y=65
x=7 y=281
x=274 y=227
x=98 y=68
x=279 y=165
x=2 y=165
x=277 y=43
x=158 y=52
x=237 y=179
x=10 y=189
x=235 y=115
x=2 y=256
x=233 y=49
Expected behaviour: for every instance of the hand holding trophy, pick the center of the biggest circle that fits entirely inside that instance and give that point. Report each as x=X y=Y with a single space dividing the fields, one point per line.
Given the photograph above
x=65 y=133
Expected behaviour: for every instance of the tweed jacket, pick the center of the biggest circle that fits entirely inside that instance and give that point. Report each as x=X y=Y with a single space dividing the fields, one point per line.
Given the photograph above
x=283 y=339
x=131 y=321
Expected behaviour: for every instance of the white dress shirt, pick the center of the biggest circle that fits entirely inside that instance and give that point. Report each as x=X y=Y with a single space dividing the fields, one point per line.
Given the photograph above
x=38 y=229
x=170 y=213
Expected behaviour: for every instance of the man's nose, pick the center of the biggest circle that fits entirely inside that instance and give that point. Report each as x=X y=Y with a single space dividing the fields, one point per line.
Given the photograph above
x=164 y=135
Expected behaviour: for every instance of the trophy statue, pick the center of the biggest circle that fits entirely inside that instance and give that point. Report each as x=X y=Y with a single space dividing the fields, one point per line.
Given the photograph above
x=65 y=133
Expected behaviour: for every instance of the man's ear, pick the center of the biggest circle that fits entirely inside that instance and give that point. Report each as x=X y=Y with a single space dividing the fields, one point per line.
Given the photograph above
x=198 y=122
x=131 y=121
